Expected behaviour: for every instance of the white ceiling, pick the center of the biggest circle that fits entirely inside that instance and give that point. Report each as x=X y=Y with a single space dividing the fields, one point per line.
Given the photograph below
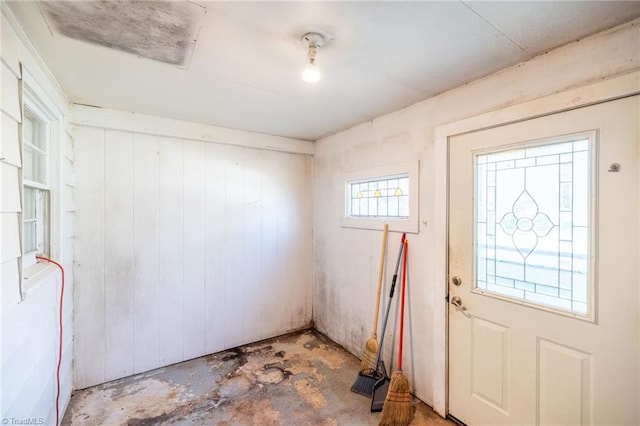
x=245 y=65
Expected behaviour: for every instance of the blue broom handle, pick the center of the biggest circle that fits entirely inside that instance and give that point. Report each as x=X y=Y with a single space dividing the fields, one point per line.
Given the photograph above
x=393 y=286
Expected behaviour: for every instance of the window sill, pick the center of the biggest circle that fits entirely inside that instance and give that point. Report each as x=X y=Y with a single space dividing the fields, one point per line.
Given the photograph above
x=36 y=274
x=395 y=225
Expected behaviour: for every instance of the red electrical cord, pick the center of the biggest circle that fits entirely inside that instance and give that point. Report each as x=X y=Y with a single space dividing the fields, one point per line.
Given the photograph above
x=60 y=344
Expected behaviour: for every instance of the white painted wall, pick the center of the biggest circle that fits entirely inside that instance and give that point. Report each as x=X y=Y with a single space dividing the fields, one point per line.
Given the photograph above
x=185 y=246
x=193 y=239
x=29 y=330
x=346 y=260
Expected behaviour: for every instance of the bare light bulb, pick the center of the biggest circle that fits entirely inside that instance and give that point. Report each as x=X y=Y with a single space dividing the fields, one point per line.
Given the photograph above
x=311 y=74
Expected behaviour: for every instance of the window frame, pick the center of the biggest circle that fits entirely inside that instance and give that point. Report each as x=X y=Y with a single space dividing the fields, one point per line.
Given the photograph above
x=408 y=224
x=41 y=189
x=36 y=100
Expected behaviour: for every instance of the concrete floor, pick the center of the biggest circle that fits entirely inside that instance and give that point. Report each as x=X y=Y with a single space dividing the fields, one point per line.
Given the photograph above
x=298 y=379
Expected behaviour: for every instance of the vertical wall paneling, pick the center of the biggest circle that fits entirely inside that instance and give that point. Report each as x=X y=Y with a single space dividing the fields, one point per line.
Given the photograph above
x=68 y=255
x=194 y=249
x=254 y=283
x=89 y=302
x=118 y=273
x=191 y=235
x=215 y=246
x=270 y=274
x=286 y=235
x=146 y=164
x=68 y=207
x=171 y=246
x=304 y=214
x=235 y=196
x=279 y=223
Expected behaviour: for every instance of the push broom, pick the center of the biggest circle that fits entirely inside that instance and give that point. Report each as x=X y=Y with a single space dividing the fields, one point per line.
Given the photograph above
x=367 y=379
x=397 y=405
x=371 y=347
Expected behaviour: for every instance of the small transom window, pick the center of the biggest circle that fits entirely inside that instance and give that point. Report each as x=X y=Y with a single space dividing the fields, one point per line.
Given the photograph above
x=382 y=194
x=383 y=197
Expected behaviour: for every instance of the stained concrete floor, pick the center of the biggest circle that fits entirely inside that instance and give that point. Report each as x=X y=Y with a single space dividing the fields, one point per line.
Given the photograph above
x=298 y=379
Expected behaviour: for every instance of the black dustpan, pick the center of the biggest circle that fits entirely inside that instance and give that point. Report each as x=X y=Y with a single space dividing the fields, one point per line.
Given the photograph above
x=380 y=390
x=367 y=379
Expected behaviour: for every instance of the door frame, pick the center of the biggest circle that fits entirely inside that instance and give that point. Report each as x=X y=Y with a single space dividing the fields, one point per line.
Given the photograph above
x=603 y=91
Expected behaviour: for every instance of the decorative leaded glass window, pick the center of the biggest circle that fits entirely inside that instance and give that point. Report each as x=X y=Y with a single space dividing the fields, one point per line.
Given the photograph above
x=533 y=223
x=386 y=194
x=382 y=197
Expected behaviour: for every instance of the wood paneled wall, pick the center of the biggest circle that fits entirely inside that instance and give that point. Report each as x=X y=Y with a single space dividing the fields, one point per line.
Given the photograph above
x=184 y=248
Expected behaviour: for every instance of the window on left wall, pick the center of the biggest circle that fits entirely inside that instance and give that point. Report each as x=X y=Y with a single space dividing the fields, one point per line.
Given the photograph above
x=36 y=181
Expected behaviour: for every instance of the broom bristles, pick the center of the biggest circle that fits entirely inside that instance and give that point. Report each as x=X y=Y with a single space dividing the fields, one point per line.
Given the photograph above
x=370 y=354
x=397 y=406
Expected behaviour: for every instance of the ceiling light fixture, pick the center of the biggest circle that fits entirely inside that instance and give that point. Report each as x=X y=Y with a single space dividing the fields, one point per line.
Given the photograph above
x=313 y=41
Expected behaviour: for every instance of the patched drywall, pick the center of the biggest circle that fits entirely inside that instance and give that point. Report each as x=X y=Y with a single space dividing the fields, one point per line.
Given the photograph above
x=164 y=31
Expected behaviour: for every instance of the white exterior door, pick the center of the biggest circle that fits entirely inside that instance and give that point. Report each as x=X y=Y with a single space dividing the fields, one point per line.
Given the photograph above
x=544 y=267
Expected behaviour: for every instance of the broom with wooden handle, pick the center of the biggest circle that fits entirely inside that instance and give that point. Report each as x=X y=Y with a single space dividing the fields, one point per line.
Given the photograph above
x=397 y=405
x=367 y=379
x=368 y=361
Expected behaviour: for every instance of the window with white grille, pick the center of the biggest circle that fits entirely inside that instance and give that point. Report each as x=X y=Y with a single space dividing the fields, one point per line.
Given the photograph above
x=36 y=189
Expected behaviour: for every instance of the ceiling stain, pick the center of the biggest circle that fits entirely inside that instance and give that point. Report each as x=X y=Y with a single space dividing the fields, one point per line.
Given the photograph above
x=159 y=30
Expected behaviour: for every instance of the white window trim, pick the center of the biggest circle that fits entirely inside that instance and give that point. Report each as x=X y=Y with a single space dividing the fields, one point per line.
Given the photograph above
x=410 y=224
x=29 y=258
x=40 y=103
